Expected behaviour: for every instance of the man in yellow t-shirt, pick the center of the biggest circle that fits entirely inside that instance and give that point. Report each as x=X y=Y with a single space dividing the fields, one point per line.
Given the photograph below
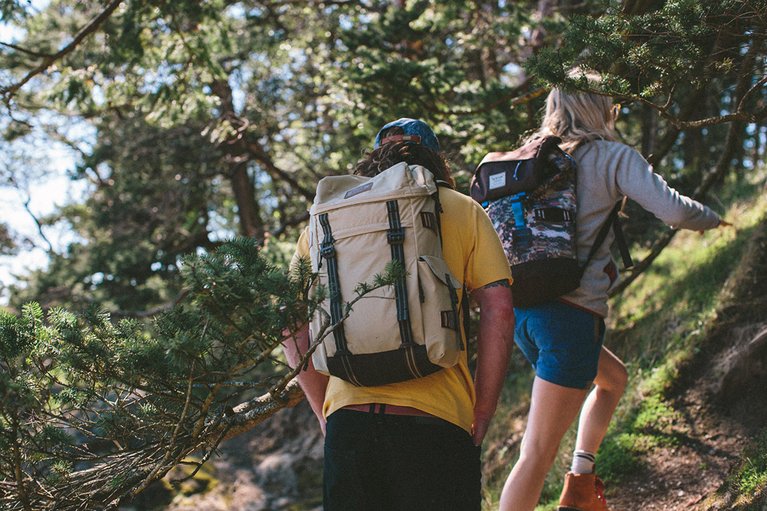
x=414 y=445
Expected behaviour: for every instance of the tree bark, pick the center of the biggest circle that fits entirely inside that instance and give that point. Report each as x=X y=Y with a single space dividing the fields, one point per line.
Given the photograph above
x=236 y=151
x=649 y=130
x=636 y=7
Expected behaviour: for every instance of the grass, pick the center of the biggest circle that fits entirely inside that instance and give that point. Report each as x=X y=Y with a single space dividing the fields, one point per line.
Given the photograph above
x=657 y=326
x=747 y=481
x=753 y=473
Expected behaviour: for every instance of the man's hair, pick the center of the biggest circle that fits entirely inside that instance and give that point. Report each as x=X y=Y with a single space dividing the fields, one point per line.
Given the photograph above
x=388 y=155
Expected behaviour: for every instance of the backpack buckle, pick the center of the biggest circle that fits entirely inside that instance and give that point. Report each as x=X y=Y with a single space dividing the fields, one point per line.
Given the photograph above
x=395 y=236
x=327 y=250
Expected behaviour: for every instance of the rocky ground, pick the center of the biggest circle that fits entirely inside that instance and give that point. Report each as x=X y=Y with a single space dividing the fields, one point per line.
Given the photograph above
x=277 y=466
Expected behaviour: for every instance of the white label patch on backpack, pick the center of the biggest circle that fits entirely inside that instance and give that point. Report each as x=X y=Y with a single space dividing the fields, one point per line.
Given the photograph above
x=358 y=190
x=497 y=180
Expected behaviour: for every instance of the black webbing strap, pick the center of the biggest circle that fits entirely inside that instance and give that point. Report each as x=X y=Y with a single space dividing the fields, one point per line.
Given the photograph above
x=465 y=297
x=438 y=214
x=620 y=239
x=396 y=238
x=328 y=253
x=454 y=306
x=558 y=215
x=614 y=222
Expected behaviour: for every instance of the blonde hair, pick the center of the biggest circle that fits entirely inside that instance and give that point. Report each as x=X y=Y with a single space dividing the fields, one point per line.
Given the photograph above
x=578 y=117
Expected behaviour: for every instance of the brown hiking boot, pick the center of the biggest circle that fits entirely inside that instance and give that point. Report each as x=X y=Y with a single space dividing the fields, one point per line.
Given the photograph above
x=582 y=492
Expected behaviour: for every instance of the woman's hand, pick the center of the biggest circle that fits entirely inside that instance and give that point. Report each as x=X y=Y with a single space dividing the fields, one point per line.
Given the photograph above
x=722 y=223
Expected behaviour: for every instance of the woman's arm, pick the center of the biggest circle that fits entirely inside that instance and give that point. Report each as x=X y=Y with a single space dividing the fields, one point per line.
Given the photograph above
x=636 y=179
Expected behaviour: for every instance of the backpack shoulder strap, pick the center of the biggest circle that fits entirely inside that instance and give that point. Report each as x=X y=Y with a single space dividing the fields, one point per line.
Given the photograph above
x=465 y=308
x=613 y=221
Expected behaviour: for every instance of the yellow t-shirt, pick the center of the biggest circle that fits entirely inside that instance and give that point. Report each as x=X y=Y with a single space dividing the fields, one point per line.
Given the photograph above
x=473 y=253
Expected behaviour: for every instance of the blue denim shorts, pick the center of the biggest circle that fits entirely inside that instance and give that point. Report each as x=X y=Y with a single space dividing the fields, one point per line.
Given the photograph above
x=561 y=342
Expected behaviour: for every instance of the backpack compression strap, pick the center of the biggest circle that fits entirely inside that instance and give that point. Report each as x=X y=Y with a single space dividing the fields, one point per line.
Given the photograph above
x=396 y=238
x=620 y=240
x=328 y=252
x=453 y=295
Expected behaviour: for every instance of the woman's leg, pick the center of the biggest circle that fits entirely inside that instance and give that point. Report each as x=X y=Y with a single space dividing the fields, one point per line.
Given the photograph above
x=601 y=402
x=553 y=409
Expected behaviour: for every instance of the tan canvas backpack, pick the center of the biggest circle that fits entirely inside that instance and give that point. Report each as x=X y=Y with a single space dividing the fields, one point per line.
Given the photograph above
x=357 y=226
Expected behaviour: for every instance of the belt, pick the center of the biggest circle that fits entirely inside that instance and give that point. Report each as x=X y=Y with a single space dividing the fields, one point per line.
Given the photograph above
x=414 y=415
x=376 y=408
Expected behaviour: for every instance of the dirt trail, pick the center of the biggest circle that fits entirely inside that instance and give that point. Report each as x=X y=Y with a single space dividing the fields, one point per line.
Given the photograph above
x=707 y=448
x=721 y=404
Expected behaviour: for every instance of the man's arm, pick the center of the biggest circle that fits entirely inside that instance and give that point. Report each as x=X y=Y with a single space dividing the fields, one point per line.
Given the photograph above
x=312 y=383
x=494 y=343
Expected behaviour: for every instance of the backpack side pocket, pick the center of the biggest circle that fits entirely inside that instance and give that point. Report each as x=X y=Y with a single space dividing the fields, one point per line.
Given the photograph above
x=440 y=308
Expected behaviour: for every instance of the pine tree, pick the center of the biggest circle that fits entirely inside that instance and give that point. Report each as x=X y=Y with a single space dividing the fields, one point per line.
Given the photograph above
x=93 y=410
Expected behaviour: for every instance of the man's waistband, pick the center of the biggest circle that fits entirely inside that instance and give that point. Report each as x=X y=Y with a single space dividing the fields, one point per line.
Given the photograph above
x=378 y=408
x=401 y=413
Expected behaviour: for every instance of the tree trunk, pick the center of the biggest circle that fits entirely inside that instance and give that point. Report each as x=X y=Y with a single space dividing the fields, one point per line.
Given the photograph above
x=236 y=156
x=636 y=7
x=248 y=209
x=649 y=130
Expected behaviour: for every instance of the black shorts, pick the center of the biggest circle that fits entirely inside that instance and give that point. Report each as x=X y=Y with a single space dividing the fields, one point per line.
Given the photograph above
x=376 y=462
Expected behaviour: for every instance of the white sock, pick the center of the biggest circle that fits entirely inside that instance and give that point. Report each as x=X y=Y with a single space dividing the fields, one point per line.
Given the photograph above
x=583 y=462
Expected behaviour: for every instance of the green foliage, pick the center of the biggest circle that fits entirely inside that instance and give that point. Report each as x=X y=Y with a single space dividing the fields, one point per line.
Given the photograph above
x=76 y=389
x=746 y=486
x=650 y=425
x=13 y=9
x=195 y=121
x=657 y=49
x=752 y=474
x=660 y=328
x=620 y=454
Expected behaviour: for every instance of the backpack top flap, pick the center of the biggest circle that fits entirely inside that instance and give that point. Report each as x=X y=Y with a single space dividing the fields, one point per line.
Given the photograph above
x=400 y=180
x=500 y=174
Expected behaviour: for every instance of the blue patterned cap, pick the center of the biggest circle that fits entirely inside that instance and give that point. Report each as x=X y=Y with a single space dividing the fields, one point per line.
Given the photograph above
x=413 y=131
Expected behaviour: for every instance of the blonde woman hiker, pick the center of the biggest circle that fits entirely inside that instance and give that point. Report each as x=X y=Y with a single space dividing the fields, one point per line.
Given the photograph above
x=562 y=339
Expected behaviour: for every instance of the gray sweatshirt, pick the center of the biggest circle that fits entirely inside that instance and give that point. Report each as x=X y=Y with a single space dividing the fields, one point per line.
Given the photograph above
x=606 y=172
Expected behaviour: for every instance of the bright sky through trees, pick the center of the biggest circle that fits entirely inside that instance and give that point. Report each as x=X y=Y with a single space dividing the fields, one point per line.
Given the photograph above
x=44 y=197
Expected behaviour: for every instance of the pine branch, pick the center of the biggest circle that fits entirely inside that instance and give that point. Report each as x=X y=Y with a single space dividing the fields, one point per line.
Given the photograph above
x=225 y=327
x=11 y=90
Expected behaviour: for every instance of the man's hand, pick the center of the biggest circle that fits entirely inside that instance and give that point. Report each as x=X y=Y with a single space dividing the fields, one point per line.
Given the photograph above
x=312 y=383
x=479 y=427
